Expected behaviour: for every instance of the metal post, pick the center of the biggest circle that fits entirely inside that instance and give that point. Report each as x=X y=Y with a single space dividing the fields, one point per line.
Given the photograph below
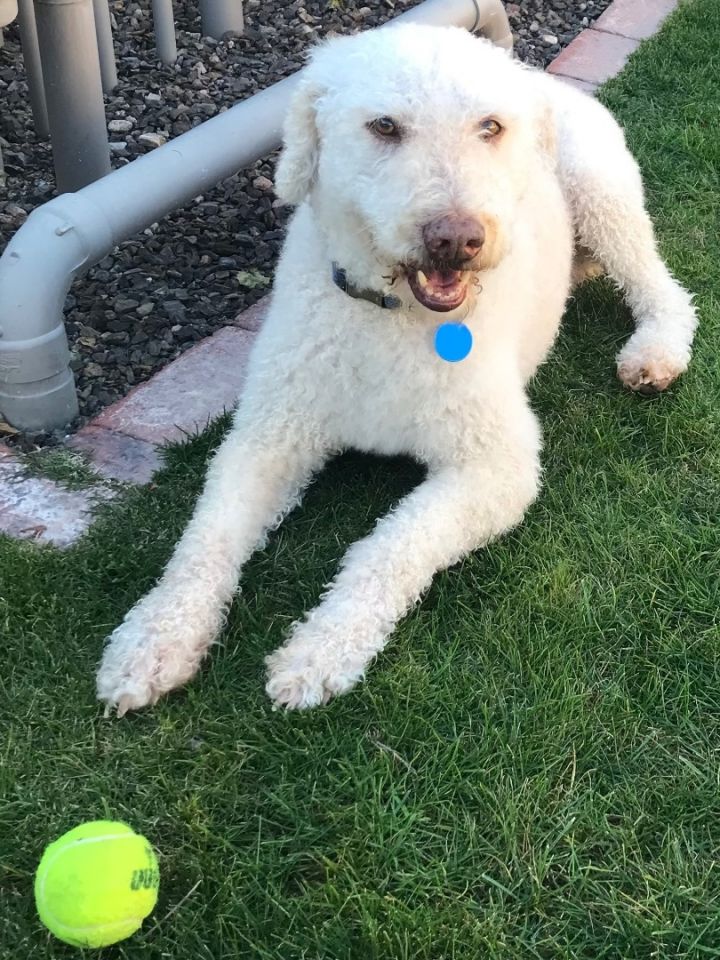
x=220 y=17
x=33 y=67
x=103 y=32
x=164 y=23
x=73 y=90
x=65 y=236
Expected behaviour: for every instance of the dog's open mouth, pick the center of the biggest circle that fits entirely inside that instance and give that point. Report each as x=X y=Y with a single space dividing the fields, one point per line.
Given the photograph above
x=440 y=290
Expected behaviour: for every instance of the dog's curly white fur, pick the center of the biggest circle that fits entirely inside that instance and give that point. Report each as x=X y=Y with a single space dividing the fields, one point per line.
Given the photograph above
x=330 y=372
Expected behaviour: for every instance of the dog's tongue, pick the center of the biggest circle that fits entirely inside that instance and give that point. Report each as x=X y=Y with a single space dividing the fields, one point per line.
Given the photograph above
x=443 y=278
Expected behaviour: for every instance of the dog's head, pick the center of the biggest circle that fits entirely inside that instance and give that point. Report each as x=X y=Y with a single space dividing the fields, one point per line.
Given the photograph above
x=414 y=145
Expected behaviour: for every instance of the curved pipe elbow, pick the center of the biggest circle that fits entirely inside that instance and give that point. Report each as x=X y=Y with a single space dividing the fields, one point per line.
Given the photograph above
x=40 y=262
x=493 y=22
x=57 y=241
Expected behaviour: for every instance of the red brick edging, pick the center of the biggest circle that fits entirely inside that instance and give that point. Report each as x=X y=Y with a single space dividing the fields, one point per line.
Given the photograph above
x=122 y=442
x=601 y=51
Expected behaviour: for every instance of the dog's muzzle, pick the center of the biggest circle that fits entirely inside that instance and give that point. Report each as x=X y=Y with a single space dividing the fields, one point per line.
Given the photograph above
x=452 y=247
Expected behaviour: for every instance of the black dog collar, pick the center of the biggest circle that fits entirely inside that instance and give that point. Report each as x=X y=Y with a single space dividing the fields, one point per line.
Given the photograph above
x=384 y=300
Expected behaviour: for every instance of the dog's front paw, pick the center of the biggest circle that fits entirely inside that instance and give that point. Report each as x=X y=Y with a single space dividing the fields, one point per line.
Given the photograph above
x=127 y=672
x=308 y=673
x=648 y=366
x=145 y=657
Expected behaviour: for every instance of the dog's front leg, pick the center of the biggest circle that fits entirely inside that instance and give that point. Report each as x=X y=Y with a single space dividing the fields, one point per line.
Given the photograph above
x=256 y=477
x=602 y=183
x=457 y=509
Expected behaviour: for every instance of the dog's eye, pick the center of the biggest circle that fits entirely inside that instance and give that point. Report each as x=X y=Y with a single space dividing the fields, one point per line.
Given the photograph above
x=489 y=128
x=385 y=127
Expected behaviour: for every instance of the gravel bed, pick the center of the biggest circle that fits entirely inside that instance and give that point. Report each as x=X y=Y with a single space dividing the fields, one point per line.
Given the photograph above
x=158 y=294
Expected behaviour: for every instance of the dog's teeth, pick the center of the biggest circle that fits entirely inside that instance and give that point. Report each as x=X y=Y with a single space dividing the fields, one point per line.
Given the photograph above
x=422 y=279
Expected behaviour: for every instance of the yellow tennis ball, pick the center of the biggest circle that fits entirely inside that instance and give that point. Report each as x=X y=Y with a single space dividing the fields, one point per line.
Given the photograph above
x=96 y=884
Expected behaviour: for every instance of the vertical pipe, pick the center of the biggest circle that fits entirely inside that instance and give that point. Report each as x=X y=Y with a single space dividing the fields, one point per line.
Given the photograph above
x=33 y=67
x=8 y=12
x=2 y=162
x=103 y=32
x=73 y=90
x=221 y=16
x=164 y=23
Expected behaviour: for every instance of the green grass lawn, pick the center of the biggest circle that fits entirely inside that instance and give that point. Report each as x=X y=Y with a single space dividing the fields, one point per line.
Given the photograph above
x=533 y=768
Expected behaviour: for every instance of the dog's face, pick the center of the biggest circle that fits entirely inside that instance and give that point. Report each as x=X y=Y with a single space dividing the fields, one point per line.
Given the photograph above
x=415 y=145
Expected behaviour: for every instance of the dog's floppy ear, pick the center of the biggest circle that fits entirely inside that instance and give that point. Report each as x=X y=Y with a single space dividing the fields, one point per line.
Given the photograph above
x=297 y=166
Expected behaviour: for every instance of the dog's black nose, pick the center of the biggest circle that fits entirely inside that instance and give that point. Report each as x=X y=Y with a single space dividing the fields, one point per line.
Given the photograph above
x=453 y=238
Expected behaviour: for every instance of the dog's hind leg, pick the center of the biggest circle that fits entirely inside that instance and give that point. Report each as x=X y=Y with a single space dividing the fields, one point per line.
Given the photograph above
x=602 y=183
x=457 y=509
x=585 y=267
x=255 y=478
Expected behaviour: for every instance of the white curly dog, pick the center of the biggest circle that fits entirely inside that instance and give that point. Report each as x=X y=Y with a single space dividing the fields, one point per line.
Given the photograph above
x=436 y=180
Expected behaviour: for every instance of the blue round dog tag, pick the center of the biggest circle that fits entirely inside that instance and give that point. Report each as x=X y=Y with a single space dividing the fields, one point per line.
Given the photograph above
x=453 y=341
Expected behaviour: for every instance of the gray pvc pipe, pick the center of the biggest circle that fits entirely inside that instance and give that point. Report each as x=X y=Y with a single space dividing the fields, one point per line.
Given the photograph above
x=37 y=389
x=220 y=17
x=164 y=25
x=478 y=16
x=33 y=67
x=103 y=33
x=73 y=91
x=67 y=235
